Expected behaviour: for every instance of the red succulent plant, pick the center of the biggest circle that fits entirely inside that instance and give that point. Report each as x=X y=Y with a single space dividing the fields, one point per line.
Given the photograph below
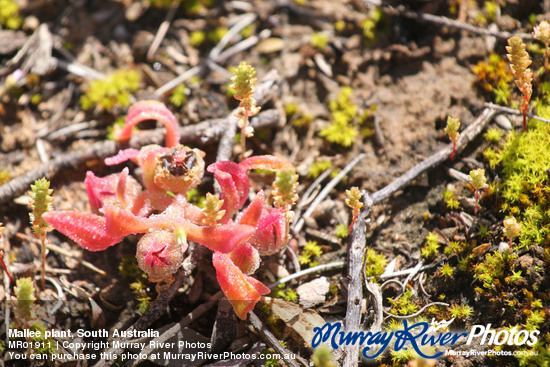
x=159 y=210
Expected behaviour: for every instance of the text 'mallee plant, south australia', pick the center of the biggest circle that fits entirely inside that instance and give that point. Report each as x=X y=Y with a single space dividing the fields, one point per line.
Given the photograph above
x=160 y=211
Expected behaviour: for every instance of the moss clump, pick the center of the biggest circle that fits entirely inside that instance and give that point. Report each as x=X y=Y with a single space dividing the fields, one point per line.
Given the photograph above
x=375 y=263
x=523 y=161
x=9 y=14
x=343 y=112
x=115 y=91
x=311 y=252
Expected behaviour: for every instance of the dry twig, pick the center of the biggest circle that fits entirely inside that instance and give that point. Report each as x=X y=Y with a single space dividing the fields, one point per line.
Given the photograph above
x=356 y=252
x=440 y=20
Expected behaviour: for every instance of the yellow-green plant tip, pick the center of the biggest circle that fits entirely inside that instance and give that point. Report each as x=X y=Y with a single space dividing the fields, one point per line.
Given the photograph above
x=41 y=202
x=24 y=293
x=453 y=124
x=243 y=81
x=477 y=179
x=212 y=209
x=354 y=198
x=284 y=189
x=322 y=357
x=519 y=63
x=542 y=32
x=512 y=228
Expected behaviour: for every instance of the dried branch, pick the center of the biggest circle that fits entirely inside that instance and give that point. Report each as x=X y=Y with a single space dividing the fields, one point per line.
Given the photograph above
x=514 y=111
x=401 y=10
x=267 y=337
x=356 y=252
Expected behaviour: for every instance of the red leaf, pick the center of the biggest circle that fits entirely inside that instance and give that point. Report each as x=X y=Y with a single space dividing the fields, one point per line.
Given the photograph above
x=88 y=230
x=242 y=291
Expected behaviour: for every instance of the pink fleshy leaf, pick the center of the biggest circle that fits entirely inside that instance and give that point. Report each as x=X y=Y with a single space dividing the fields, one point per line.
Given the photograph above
x=122 y=222
x=86 y=229
x=121 y=186
x=223 y=238
x=269 y=236
x=150 y=110
x=108 y=189
x=246 y=258
x=267 y=162
x=233 y=182
x=122 y=156
x=252 y=213
x=242 y=291
x=147 y=159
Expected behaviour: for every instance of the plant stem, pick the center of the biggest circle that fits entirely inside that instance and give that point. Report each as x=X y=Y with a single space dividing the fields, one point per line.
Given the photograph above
x=546 y=59
x=243 y=136
x=44 y=241
x=476 y=195
x=453 y=152
x=5 y=267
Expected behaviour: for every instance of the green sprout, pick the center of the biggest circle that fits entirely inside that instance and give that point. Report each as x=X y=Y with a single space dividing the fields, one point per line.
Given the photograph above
x=212 y=209
x=196 y=38
x=493 y=135
x=447 y=271
x=542 y=33
x=452 y=130
x=519 y=63
x=479 y=182
x=319 y=40
x=375 y=263
x=243 y=84
x=310 y=253
x=142 y=296
x=322 y=357
x=461 y=311
x=431 y=247
x=113 y=92
x=341 y=231
x=178 y=96
x=319 y=167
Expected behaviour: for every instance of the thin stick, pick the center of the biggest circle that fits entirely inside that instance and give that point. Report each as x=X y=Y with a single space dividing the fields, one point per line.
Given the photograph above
x=231 y=33
x=163 y=29
x=417 y=312
x=514 y=111
x=268 y=338
x=437 y=158
x=356 y=252
x=315 y=269
x=437 y=19
x=324 y=193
